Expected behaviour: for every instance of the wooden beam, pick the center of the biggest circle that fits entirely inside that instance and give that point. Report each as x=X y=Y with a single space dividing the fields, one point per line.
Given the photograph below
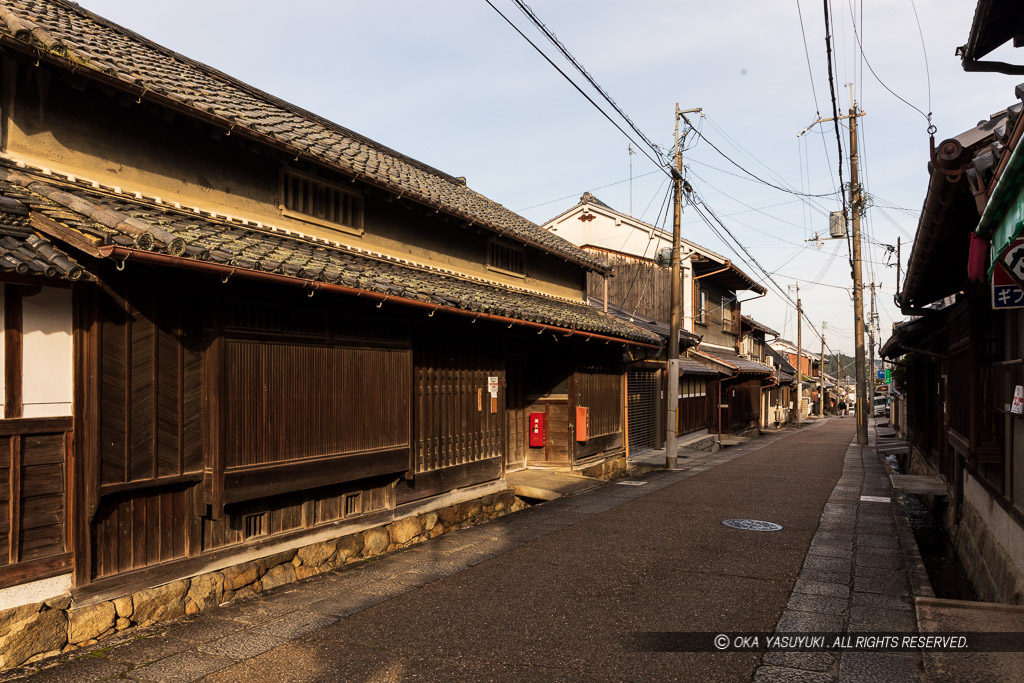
x=12 y=352
x=14 y=502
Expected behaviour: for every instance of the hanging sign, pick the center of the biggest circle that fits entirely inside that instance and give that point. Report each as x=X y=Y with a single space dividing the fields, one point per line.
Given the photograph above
x=492 y=386
x=1017 y=408
x=1006 y=293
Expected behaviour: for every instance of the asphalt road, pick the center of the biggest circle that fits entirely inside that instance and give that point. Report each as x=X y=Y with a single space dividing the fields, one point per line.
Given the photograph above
x=563 y=606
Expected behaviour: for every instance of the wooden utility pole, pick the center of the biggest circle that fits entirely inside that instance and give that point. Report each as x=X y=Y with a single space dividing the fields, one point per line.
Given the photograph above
x=676 y=317
x=856 y=207
x=799 y=359
x=821 y=374
x=672 y=399
x=856 y=204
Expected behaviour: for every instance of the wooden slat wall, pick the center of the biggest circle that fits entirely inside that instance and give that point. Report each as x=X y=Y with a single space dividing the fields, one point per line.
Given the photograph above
x=601 y=391
x=33 y=480
x=290 y=401
x=150 y=390
x=454 y=424
x=516 y=431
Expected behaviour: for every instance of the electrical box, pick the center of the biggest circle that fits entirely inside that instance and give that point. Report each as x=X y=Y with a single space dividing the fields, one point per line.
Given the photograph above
x=837 y=224
x=582 y=423
x=536 y=430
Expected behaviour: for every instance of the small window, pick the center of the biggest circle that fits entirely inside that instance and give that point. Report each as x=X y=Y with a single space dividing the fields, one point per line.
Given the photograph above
x=505 y=257
x=254 y=525
x=307 y=198
x=354 y=504
x=702 y=305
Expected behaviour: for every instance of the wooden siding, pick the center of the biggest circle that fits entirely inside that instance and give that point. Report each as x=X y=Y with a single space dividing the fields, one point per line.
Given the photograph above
x=636 y=285
x=601 y=391
x=296 y=401
x=144 y=528
x=517 y=429
x=150 y=389
x=33 y=495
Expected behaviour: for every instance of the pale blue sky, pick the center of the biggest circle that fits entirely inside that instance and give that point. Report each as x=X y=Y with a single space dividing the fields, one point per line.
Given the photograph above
x=450 y=83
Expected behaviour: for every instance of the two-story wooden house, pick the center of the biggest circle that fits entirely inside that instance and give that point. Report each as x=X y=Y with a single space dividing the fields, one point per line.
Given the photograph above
x=713 y=371
x=233 y=329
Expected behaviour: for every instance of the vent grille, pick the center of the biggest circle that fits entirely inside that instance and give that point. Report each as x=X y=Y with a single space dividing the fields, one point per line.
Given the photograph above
x=254 y=525
x=354 y=504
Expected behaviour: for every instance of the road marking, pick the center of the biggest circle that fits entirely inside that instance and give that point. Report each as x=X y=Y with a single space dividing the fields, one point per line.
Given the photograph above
x=875 y=499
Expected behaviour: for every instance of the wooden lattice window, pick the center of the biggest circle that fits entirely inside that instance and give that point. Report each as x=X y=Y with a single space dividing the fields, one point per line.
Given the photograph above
x=308 y=198
x=505 y=257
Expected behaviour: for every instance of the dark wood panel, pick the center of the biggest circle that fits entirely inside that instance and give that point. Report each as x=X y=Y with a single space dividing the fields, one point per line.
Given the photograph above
x=141 y=395
x=289 y=401
x=447 y=479
x=34 y=570
x=268 y=480
x=41 y=542
x=456 y=421
x=41 y=480
x=34 y=425
x=43 y=449
x=13 y=352
x=113 y=391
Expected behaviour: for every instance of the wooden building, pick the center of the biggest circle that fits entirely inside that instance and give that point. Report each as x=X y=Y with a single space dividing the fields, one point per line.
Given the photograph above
x=638 y=290
x=231 y=326
x=960 y=357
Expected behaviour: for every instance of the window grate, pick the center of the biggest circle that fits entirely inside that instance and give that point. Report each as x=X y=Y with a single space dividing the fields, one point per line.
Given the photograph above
x=354 y=504
x=319 y=200
x=254 y=525
x=505 y=257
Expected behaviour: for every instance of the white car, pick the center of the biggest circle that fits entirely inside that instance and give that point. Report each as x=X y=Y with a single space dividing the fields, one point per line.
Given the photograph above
x=881 y=407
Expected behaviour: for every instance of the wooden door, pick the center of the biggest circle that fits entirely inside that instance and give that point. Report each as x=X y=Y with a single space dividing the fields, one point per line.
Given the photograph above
x=515 y=414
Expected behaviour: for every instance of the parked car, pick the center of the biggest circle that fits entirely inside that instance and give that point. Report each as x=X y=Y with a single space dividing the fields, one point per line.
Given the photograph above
x=881 y=406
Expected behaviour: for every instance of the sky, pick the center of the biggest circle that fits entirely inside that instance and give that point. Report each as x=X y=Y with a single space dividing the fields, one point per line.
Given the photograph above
x=450 y=83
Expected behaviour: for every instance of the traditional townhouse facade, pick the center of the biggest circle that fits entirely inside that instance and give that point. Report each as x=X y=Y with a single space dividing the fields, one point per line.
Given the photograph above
x=720 y=384
x=235 y=331
x=959 y=358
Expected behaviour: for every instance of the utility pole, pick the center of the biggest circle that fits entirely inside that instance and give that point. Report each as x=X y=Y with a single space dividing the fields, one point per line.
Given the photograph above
x=676 y=317
x=799 y=359
x=856 y=203
x=821 y=373
x=856 y=206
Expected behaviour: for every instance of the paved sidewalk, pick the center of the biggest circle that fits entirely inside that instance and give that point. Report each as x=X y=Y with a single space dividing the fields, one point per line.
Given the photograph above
x=861 y=574
x=548 y=593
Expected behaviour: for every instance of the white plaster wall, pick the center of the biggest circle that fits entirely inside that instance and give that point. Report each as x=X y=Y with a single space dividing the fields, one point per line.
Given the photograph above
x=47 y=378
x=34 y=591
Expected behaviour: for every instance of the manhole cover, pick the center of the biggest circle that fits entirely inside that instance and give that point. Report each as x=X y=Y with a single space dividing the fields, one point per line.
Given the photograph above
x=752 y=525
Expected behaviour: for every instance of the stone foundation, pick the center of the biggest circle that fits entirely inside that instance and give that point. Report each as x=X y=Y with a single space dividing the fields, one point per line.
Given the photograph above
x=39 y=630
x=993 y=573
x=611 y=468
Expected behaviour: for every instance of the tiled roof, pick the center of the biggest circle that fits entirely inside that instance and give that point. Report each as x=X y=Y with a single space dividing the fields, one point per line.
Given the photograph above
x=692 y=367
x=25 y=252
x=76 y=38
x=735 y=360
x=90 y=218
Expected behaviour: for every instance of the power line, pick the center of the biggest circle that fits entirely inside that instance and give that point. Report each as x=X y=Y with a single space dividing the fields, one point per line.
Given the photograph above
x=755 y=177
x=593 y=189
x=660 y=164
x=553 y=39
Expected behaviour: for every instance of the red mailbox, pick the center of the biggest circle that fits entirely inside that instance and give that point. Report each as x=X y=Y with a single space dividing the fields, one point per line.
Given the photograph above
x=536 y=430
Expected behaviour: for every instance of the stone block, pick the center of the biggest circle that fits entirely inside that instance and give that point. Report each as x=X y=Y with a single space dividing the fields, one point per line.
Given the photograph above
x=59 y=602
x=436 y=530
x=304 y=572
x=122 y=623
x=279 y=575
x=39 y=634
x=206 y=591
x=241 y=575
x=404 y=530
x=90 y=622
x=272 y=561
x=449 y=515
x=124 y=606
x=316 y=554
x=348 y=547
x=429 y=520
x=375 y=541
x=15 y=615
x=160 y=603
x=252 y=589
x=470 y=509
